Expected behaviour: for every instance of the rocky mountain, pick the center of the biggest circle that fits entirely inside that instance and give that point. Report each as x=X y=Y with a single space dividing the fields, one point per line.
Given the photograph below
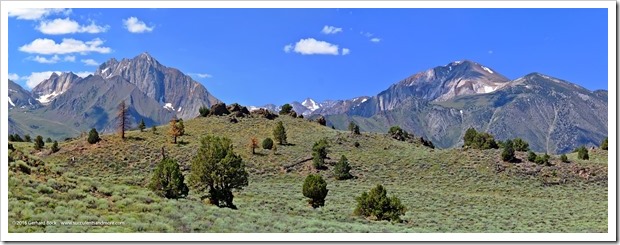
x=21 y=98
x=173 y=90
x=553 y=115
x=50 y=88
x=65 y=105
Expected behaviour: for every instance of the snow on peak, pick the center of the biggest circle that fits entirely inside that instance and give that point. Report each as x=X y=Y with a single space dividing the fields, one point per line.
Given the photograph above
x=44 y=99
x=310 y=104
x=487 y=69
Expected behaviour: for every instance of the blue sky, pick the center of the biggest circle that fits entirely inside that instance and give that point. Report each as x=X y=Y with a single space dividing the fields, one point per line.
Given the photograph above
x=260 y=56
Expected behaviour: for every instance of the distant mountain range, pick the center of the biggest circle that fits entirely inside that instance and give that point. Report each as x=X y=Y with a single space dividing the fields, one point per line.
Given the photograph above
x=152 y=91
x=440 y=104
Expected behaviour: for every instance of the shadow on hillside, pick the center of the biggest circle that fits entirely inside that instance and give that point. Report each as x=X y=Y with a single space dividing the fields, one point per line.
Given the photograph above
x=136 y=138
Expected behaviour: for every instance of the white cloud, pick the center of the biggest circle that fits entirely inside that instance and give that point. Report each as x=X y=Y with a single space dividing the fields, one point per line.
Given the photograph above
x=67 y=46
x=331 y=30
x=288 y=48
x=490 y=51
x=202 y=75
x=54 y=59
x=70 y=58
x=37 y=77
x=36 y=14
x=311 y=46
x=367 y=34
x=345 y=51
x=13 y=77
x=83 y=74
x=375 y=40
x=67 y=26
x=90 y=62
x=133 y=25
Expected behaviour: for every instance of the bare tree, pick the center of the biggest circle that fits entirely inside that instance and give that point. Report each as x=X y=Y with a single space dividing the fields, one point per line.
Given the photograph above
x=123 y=119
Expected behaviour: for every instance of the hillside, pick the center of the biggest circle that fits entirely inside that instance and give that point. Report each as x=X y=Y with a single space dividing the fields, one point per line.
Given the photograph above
x=451 y=190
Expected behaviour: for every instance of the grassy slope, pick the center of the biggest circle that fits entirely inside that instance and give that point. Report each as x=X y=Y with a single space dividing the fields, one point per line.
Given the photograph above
x=444 y=190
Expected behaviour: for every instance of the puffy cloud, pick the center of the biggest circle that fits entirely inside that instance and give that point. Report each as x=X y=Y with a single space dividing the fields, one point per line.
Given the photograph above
x=13 y=77
x=68 y=26
x=134 y=25
x=331 y=30
x=345 y=51
x=90 y=62
x=54 y=59
x=310 y=46
x=288 y=48
x=36 y=13
x=67 y=46
x=375 y=40
x=69 y=58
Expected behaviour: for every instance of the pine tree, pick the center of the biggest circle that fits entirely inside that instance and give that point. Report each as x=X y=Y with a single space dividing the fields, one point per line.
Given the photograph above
x=174 y=130
x=520 y=145
x=469 y=137
x=377 y=204
x=122 y=118
x=286 y=109
x=315 y=188
x=181 y=127
x=141 y=126
x=168 y=181
x=354 y=128
x=93 y=136
x=604 y=144
x=27 y=138
x=218 y=170
x=508 y=154
x=154 y=129
x=11 y=138
x=279 y=133
x=253 y=144
x=267 y=144
x=319 y=153
x=582 y=153
x=564 y=158
x=48 y=140
x=531 y=156
x=204 y=111
x=55 y=147
x=342 y=168
x=38 y=143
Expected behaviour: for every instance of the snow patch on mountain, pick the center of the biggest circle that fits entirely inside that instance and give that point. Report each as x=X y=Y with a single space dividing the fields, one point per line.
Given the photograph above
x=44 y=99
x=310 y=104
x=488 y=89
x=169 y=106
x=487 y=69
x=11 y=101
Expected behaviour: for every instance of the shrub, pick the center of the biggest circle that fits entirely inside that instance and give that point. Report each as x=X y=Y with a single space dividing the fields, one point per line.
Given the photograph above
x=154 y=129
x=531 y=156
x=397 y=133
x=141 y=125
x=356 y=144
x=315 y=188
x=55 y=147
x=564 y=158
x=479 y=140
x=520 y=145
x=604 y=144
x=354 y=128
x=342 y=168
x=427 y=143
x=582 y=153
x=286 y=109
x=319 y=153
x=508 y=154
x=167 y=180
x=48 y=140
x=27 y=138
x=38 y=143
x=543 y=160
x=11 y=147
x=321 y=120
x=219 y=170
x=377 y=204
x=93 y=136
x=204 y=111
x=267 y=144
x=279 y=133
x=22 y=166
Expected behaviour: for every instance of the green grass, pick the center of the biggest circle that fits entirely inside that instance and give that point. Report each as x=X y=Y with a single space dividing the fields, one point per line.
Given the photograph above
x=444 y=190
